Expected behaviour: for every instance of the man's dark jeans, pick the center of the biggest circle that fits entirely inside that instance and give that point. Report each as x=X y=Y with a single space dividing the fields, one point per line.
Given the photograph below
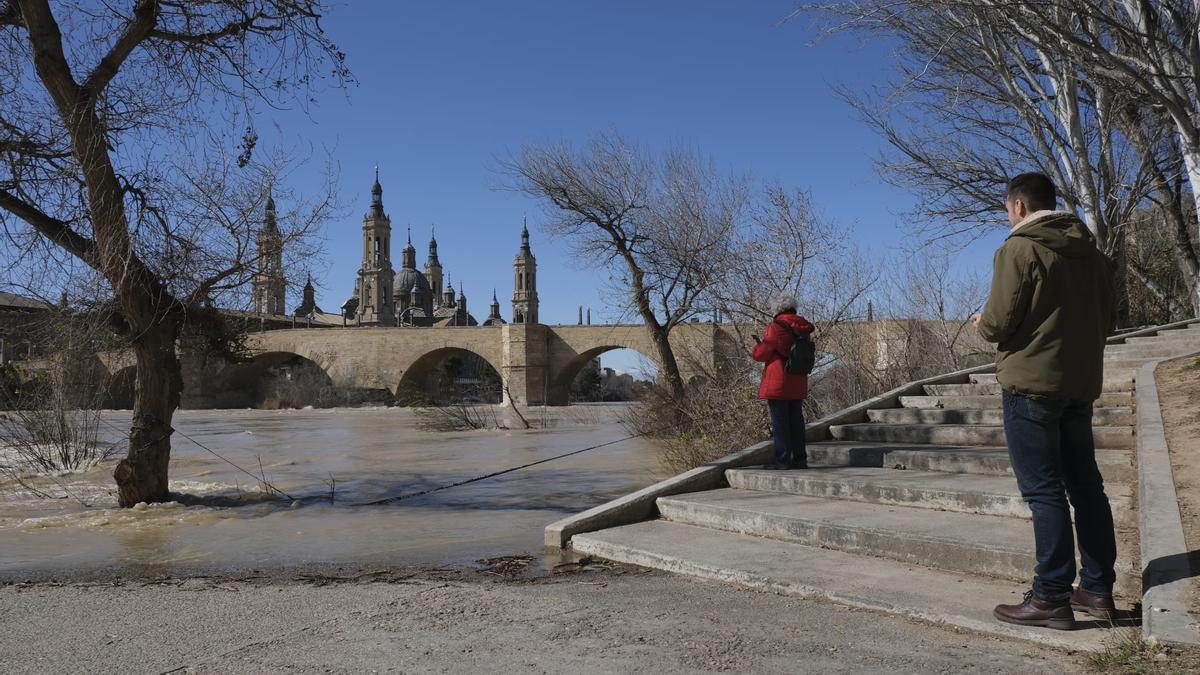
x=787 y=432
x=1054 y=458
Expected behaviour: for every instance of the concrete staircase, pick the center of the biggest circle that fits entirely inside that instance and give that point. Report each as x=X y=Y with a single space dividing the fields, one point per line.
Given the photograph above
x=912 y=511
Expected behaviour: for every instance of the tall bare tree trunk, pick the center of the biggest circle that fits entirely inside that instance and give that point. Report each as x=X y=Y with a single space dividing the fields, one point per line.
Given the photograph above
x=142 y=475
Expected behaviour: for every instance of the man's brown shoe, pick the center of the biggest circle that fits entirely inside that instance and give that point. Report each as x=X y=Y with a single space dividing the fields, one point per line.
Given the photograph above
x=1037 y=612
x=1099 y=606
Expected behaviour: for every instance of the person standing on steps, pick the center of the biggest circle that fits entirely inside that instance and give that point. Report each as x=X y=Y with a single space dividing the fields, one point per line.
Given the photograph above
x=784 y=392
x=1050 y=309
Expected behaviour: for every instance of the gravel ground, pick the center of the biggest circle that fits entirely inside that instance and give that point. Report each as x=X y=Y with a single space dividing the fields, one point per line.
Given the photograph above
x=584 y=618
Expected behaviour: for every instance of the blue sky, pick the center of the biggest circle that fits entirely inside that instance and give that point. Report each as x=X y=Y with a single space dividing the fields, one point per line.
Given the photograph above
x=445 y=88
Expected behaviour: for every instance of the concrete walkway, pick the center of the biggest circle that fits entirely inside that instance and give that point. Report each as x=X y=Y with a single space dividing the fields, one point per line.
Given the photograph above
x=608 y=621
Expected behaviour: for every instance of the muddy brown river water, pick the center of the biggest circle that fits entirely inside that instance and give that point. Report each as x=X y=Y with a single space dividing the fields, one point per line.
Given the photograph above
x=222 y=521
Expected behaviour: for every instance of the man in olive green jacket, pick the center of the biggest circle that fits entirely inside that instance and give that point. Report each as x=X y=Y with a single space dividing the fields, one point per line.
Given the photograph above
x=1050 y=310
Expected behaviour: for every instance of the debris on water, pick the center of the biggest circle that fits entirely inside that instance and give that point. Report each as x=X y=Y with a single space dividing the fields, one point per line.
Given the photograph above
x=296 y=504
x=509 y=565
x=141 y=506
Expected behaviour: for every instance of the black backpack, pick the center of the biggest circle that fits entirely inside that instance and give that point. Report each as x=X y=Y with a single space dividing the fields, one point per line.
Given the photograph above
x=802 y=355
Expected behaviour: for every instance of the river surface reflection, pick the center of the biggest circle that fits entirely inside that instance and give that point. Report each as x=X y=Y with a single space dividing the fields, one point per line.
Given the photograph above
x=225 y=523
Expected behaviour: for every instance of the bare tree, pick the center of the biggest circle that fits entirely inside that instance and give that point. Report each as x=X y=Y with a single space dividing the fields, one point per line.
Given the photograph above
x=662 y=224
x=1150 y=50
x=975 y=99
x=1086 y=90
x=114 y=142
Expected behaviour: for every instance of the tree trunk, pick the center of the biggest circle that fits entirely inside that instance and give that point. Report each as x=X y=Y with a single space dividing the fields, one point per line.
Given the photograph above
x=142 y=475
x=1122 y=280
x=670 y=367
x=1191 y=266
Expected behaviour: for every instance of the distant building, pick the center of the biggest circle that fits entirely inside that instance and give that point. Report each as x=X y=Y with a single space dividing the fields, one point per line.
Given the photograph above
x=386 y=297
x=268 y=286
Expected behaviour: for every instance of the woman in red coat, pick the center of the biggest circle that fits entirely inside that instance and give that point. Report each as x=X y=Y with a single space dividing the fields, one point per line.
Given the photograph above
x=785 y=392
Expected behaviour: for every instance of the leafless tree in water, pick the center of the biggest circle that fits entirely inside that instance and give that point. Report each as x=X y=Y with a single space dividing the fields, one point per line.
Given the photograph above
x=126 y=144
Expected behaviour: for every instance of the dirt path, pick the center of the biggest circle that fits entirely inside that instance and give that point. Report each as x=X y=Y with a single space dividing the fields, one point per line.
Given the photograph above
x=1179 y=396
x=600 y=619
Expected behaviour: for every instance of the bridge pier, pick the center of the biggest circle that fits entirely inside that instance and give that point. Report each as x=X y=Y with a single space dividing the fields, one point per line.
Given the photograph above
x=524 y=364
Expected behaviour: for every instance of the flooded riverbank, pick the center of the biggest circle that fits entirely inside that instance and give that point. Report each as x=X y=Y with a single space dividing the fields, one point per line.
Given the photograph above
x=223 y=521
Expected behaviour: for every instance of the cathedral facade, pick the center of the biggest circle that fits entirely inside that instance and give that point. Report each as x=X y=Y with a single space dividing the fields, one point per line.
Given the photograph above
x=425 y=297
x=384 y=296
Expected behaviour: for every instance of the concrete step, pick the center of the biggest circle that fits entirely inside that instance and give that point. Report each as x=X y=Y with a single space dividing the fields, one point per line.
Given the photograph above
x=1133 y=357
x=1148 y=350
x=1172 y=338
x=1116 y=379
x=985 y=545
x=1100 y=416
x=960 y=434
x=1116 y=465
x=984 y=494
x=842 y=453
x=964 y=602
x=990 y=389
x=1106 y=400
x=987 y=495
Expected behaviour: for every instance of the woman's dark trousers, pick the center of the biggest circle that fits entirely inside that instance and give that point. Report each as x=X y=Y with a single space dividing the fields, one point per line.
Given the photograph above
x=1053 y=456
x=787 y=432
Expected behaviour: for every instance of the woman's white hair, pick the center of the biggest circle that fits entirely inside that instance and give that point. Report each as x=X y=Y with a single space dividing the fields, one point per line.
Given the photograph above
x=782 y=303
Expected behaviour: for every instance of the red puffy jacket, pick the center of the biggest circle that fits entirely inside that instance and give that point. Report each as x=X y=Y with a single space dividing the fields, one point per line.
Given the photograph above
x=777 y=383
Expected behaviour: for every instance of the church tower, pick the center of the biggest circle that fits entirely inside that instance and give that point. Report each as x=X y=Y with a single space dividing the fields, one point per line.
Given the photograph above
x=461 y=317
x=494 y=318
x=525 y=300
x=375 y=277
x=268 y=286
x=433 y=270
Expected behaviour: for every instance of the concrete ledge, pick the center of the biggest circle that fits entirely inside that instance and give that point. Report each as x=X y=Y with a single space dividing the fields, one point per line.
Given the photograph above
x=1120 y=338
x=1167 y=565
x=641 y=505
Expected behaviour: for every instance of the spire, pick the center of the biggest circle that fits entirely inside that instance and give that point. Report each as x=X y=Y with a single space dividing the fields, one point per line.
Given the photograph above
x=376 y=197
x=308 y=284
x=408 y=255
x=269 y=221
x=433 y=254
x=494 y=316
x=524 y=235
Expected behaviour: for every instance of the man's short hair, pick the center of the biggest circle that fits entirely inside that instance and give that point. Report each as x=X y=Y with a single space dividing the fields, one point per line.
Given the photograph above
x=1035 y=189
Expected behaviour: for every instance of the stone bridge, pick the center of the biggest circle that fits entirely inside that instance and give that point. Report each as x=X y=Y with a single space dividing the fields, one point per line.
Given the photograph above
x=536 y=363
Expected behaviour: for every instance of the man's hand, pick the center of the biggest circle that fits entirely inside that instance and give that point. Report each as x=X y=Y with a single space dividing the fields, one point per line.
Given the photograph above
x=975 y=320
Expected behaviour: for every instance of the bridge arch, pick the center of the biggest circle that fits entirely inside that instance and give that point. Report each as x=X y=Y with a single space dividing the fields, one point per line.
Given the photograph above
x=274 y=379
x=120 y=389
x=561 y=380
x=415 y=380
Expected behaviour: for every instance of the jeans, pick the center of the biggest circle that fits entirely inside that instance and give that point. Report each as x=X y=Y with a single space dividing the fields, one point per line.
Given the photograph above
x=1053 y=456
x=787 y=431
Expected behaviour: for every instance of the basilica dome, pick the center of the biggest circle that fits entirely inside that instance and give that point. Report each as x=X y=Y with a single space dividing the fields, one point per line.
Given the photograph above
x=408 y=278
